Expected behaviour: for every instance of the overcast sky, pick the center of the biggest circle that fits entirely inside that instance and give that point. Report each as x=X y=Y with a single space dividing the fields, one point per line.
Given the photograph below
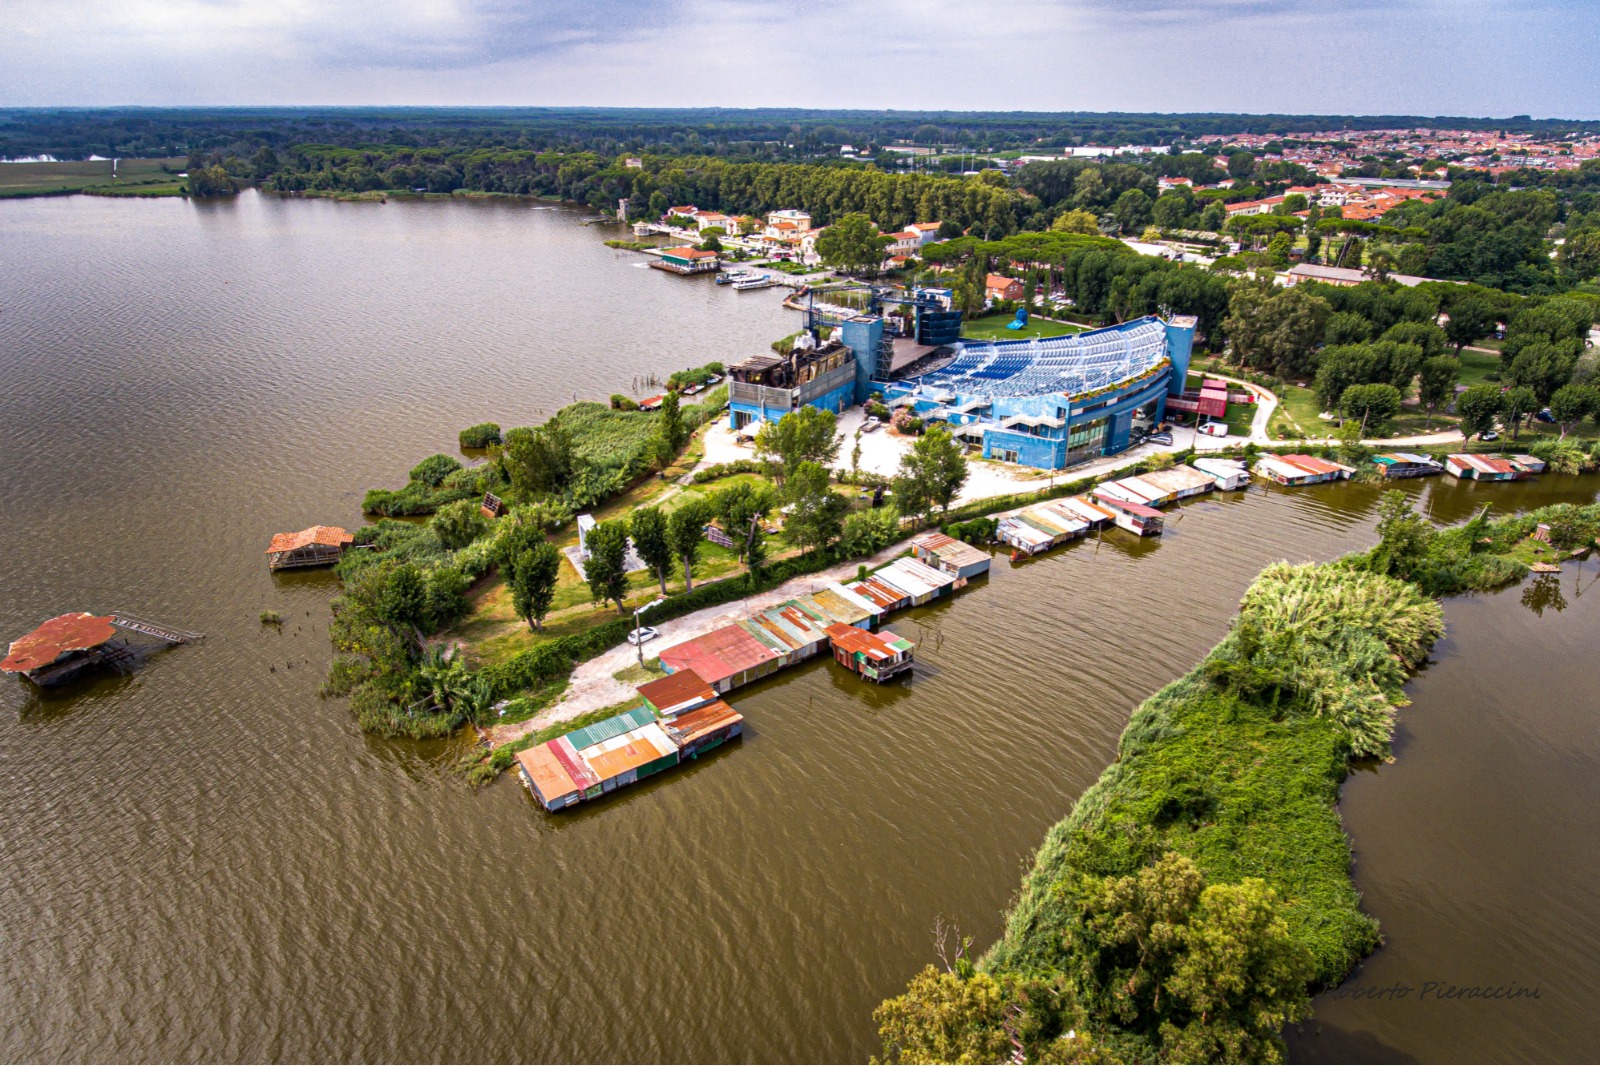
x=1454 y=57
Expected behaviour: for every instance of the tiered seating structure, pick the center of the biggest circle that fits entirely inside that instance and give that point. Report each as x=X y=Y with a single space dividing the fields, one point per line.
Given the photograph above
x=1073 y=364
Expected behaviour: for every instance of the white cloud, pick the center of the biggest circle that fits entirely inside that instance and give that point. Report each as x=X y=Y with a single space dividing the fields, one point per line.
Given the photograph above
x=1364 y=56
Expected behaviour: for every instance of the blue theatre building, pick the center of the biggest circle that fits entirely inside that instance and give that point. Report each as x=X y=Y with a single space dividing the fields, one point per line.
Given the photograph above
x=1049 y=402
x=843 y=371
x=1055 y=402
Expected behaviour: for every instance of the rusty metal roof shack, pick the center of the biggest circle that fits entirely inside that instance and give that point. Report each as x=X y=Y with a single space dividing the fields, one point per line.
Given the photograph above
x=882 y=595
x=60 y=647
x=725 y=657
x=875 y=656
x=546 y=777
x=705 y=728
x=835 y=603
x=316 y=546
x=677 y=693
x=949 y=554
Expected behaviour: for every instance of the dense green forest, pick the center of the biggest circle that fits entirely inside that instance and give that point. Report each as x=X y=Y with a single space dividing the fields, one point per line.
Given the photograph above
x=1498 y=234
x=72 y=133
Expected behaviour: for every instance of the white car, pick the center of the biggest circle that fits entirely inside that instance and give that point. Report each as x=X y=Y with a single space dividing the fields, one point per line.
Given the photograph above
x=1215 y=429
x=642 y=634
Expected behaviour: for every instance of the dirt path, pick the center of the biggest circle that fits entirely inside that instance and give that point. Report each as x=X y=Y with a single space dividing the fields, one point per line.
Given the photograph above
x=592 y=686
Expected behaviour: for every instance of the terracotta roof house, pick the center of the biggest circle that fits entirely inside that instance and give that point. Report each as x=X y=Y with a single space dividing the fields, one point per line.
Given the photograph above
x=1000 y=287
x=317 y=546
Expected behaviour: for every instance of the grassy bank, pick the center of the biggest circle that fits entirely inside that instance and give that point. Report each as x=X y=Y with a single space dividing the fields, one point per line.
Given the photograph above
x=134 y=177
x=993 y=327
x=1223 y=796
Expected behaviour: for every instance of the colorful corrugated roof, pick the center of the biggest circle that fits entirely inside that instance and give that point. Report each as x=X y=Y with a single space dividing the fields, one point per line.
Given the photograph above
x=1316 y=465
x=690 y=727
x=720 y=654
x=835 y=604
x=884 y=595
x=1142 y=510
x=874 y=646
x=546 y=772
x=675 y=690
x=573 y=763
x=1087 y=509
x=611 y=727
x=62 y=634
x=618 y=755
x=957 y=553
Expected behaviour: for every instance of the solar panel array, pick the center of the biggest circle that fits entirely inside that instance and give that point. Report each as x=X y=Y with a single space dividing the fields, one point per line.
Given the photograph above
x=1073 y=364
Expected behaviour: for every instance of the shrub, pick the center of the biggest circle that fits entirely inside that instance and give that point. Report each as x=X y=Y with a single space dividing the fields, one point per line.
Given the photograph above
x=459 y=524
x=696 y=376
x=977 y=531
x=620 y=402
x=905 y=421
x=481 y=435
x=722 y=470
x=434 y=469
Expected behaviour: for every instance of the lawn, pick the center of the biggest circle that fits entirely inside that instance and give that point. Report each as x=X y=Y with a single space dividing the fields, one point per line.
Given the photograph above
x=993 y=327
x=134 y=177
x=1239 y=418
x=1299 y=407
x=1477 y=366
x=493 y=632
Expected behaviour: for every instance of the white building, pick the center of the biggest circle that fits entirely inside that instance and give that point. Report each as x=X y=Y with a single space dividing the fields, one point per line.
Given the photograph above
x=799 y=220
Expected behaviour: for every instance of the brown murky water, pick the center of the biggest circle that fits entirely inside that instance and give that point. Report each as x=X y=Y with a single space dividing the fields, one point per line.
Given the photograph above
x=205 y=861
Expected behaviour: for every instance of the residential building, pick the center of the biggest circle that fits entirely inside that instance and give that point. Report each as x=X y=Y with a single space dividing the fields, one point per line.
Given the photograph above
x=1000 y=287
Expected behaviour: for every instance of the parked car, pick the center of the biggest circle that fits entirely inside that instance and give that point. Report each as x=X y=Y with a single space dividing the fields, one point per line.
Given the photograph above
x=1161 y=438
x=1215 y=429
x=643 y=634
x=1545 y=416
x=870 y=425
x=1488 y=434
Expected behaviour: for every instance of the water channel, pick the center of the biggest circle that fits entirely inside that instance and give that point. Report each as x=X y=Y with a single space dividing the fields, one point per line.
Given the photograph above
x=204 y=860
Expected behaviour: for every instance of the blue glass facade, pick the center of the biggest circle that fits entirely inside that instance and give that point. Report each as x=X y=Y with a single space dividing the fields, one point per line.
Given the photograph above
x=1019 y=396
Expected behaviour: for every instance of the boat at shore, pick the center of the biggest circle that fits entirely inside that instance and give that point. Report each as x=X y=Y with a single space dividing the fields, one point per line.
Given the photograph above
x=755 y=281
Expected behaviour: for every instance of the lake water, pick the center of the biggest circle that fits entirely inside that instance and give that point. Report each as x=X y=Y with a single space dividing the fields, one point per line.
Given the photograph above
x=206 y=861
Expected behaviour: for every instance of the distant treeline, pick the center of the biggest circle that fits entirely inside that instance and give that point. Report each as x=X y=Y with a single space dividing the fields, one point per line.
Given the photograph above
x=736 y=188
x=770 y=133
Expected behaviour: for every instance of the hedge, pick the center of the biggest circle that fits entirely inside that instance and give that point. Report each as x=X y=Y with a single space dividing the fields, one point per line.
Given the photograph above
x=554 y=658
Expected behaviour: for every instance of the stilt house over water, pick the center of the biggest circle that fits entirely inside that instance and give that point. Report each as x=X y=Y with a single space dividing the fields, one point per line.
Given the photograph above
x=874 y=656
x=68 y=644
x=62 y=647
x=317 y=546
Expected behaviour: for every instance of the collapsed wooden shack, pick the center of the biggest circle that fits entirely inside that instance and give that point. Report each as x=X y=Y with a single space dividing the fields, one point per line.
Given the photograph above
x=317 y=546
x=68 y=644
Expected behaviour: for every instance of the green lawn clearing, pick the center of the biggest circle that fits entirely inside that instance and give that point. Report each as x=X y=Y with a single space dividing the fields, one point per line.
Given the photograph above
x=993 y=328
